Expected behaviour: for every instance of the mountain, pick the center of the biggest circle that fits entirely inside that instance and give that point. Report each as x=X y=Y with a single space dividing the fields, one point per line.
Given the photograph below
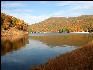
x=61 y=24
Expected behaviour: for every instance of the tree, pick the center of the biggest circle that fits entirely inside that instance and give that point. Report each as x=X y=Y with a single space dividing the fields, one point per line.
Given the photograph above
x=64 y=30
x=6 y=25
x=14 y=21
x=61 y=30
x=90 y=29
x=84 y=29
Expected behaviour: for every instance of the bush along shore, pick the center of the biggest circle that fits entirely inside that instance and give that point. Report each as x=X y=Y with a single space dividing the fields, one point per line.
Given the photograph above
x=79 y=59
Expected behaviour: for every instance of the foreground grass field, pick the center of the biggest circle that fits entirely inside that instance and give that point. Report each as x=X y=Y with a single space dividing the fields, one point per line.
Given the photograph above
x=79 y=59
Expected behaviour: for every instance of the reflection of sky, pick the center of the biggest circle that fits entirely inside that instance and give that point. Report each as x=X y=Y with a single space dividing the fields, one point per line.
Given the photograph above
x=34 y=53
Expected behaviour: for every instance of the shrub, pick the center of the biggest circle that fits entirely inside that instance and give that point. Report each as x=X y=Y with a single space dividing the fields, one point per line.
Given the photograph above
x=61 y=30
x=14 y=21
x=84 y=29
x=64 y=30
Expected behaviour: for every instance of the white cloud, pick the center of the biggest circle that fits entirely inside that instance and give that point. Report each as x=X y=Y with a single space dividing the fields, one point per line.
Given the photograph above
x=58 y=13
x=63 y=13
x=30 y=19
x=43 y=2
x=26 y=17
x=84 y=5
x=9 y=4
x=77 y=4
x=63 y=3
x=74 y=8
x=34 y=19
x=17 y=11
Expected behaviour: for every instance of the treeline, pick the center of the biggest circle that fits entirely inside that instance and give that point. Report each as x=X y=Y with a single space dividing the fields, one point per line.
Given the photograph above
x=8 y=22
x=63 y=24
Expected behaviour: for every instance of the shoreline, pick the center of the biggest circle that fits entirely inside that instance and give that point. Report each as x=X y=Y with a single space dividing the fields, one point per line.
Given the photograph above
x=42 y=34
x=69 y=32
x=79 y=32
x=12 y=34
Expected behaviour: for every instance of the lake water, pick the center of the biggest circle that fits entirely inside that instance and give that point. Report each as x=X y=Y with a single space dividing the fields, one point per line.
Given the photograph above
x=37 y=48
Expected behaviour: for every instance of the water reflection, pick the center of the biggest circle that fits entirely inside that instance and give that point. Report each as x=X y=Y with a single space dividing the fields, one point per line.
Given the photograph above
x=10 y=46
x=60 y=40
x=38 y=49
x=35 y=53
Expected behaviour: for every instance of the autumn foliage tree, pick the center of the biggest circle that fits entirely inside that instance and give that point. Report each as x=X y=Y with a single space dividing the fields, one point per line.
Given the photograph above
x=10 y=21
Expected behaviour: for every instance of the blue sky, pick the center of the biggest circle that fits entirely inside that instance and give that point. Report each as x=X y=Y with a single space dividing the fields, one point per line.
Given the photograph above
x=36 y=11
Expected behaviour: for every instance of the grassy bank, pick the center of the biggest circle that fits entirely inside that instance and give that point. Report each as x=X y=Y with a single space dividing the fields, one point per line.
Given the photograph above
x=12 y=34
x=79 y=59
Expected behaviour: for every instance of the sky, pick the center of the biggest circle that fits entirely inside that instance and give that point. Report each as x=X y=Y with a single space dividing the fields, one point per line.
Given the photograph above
x=36 y=11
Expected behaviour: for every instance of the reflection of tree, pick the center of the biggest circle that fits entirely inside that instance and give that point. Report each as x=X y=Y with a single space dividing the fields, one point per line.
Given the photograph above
x=10 y=46
x=59 y=40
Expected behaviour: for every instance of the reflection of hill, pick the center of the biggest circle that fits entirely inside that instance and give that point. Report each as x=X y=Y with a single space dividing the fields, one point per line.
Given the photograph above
x=10 y=46
x=59 y=40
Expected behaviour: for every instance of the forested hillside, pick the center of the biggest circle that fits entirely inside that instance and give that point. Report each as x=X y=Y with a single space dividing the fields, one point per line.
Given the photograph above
x=63 y=24
x=12 y=26
x=10 y=21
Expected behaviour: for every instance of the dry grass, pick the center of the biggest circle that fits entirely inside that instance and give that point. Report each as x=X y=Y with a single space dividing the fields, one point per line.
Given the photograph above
x=79 y=59
x=12 y=34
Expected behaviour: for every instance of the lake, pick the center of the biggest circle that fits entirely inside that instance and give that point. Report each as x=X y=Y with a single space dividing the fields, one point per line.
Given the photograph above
x=38 y=48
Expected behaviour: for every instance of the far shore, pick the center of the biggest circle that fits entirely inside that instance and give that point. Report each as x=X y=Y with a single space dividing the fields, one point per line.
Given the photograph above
x=14 y=33
x=58 y=32
x=80 y=32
